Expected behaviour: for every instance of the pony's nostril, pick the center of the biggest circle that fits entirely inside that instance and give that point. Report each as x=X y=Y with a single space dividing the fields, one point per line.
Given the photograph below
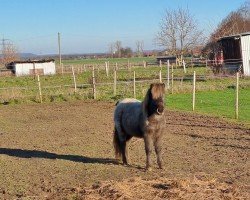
x=159 y=110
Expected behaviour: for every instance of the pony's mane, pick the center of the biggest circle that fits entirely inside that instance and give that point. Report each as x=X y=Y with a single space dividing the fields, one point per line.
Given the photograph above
x=155 y=91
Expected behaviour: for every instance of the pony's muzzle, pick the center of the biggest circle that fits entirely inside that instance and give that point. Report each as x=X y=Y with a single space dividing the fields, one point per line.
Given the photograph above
x=160 y=110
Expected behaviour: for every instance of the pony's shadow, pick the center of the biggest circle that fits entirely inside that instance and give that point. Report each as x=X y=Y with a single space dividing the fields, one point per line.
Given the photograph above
x=22 y=153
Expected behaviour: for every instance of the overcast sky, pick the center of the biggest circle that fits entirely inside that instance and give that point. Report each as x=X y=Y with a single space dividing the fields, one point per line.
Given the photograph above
x=88 y=26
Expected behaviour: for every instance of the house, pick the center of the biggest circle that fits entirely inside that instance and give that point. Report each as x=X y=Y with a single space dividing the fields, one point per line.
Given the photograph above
x=235 y=50
x=32 y=67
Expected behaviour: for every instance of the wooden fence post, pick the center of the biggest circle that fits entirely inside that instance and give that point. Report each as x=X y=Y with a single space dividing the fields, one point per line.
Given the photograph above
x=144 y=64
x=39 y=87
x=62 y=68
x=172 y=80
x=160 y=76
x=168 y=85
x=184 y=66
x=134 y=85
x=194 y=79
x=160 y=64
x=74 y=77
x=84 y=67
x=106 y=68
x=237 y=97
x=94 y=83
x=115 y=82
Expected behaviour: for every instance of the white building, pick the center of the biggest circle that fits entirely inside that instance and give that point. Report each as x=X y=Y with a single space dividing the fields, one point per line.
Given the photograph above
x=31 y=67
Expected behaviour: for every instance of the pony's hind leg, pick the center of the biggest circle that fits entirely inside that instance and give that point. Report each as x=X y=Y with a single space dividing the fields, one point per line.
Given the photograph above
x=123 y=145
x=120 y=143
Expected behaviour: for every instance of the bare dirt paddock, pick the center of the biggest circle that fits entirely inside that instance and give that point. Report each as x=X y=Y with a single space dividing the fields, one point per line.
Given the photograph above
x=64 y=151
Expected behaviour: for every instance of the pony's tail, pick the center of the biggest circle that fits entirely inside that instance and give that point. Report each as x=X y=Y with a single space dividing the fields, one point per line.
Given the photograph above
x=117 y=146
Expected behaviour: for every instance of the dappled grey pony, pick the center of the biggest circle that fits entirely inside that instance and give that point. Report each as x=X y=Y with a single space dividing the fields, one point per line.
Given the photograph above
x=141 y=119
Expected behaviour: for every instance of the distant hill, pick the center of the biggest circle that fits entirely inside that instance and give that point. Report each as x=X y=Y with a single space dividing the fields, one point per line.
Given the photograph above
x=27 y=55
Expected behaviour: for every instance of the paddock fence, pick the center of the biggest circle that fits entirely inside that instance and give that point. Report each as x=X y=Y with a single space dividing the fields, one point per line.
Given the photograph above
x=188 y=89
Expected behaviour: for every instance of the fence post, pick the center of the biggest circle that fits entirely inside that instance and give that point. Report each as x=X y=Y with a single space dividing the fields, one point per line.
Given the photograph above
x=39 y=87
x=74 y=77
x=134 y=85
x=62 y=68
x=115 y=82
x=144 y=64
x=160 y=64
x=184 y=66
x=84 y=67
x=168 y=75
x=106 y=68
x=172 y=80
x=194 y=79
x=160 y=76
x=237 y=97
x=93 y=83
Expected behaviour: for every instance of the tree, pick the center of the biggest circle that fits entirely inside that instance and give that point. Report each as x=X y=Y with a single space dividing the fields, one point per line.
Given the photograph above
x=111 y=50
x=235 y=22
x=139 y=48
x=178 y=31
x=118 y=46
x=126 y=52
x=9 y=54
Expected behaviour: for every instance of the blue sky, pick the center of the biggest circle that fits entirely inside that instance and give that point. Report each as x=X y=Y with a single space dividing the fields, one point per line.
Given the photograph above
x=88 y=26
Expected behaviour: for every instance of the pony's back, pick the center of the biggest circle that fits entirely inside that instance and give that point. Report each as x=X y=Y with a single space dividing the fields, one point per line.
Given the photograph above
x=127 y=116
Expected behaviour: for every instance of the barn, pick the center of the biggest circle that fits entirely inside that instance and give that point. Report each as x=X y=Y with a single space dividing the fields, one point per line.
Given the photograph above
x=31 y=67
x=236 y=52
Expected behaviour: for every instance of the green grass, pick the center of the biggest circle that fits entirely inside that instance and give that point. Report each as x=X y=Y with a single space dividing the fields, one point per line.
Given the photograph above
x=215 y=96
x=214 y=103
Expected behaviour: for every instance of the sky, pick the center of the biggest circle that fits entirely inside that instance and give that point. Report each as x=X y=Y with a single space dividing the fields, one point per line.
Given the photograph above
x=90 y=26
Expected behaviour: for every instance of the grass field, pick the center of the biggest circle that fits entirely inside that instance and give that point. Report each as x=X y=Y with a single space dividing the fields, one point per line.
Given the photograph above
x=214 y=103
x=215 y=96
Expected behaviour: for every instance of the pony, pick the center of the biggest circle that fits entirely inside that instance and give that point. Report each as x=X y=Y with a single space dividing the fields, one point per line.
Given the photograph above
x=133 y=118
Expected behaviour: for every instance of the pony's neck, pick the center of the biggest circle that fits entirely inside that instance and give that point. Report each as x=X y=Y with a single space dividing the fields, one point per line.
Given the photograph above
x=145 y=104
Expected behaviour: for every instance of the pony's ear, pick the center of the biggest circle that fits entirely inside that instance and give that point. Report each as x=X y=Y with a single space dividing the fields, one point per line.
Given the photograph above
x=151 y=85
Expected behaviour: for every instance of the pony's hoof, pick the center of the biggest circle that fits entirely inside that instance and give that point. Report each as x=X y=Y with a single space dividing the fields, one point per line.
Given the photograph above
x=149 y=169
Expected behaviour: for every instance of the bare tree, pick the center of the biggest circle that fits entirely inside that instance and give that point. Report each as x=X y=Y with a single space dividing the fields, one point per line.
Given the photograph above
x=118 y=46
x=9 y=53
x=235 y=22
x=139 y=48
x=178 y=31
x=111 y=50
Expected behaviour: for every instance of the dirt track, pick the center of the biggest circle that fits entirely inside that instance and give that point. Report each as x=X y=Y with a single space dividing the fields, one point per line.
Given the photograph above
x=49 y=148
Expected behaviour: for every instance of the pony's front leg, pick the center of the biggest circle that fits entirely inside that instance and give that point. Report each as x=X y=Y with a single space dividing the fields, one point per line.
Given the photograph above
x=148 y=148
x=158 y=151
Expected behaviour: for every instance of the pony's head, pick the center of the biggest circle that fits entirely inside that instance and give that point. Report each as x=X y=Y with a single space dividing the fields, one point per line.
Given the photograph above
x=154 y=100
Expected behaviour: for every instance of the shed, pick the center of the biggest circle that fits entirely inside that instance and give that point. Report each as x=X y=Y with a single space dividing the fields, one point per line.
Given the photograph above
x=164 y=59
x=31 y=67
x=236 y=52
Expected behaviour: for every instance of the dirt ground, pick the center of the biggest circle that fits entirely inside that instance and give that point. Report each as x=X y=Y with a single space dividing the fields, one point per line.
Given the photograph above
x=64 y=151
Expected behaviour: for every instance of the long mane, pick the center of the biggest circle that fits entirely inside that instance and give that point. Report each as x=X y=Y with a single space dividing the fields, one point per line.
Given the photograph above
x=155 y=91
